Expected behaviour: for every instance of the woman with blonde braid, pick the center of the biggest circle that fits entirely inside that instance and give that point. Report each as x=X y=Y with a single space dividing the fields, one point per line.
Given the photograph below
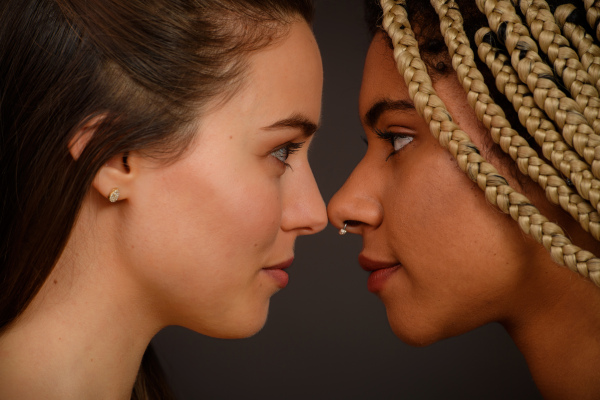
x=154 y=172
x=498 y=103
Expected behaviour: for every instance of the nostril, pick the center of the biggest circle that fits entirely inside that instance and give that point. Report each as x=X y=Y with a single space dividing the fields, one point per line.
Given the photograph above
x=348 y=223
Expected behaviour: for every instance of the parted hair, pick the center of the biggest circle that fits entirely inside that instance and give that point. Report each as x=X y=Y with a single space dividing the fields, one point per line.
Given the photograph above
x=542 y=61
x=145 y=69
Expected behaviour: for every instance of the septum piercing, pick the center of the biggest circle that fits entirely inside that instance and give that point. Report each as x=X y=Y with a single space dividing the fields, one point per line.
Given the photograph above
x=343 y=231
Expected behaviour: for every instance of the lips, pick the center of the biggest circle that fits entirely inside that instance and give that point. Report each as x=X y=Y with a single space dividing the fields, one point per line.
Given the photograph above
x=278 y=274
x=380 y=272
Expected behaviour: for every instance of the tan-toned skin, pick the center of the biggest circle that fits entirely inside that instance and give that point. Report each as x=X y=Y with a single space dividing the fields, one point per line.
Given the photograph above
x=185 y=244
x=463 y=262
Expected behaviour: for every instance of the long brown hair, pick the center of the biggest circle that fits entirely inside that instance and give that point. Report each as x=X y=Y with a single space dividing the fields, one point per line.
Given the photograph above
x=147 y=68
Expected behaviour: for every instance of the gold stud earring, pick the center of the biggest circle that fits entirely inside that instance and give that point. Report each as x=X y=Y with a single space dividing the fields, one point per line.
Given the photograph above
x=114 y=195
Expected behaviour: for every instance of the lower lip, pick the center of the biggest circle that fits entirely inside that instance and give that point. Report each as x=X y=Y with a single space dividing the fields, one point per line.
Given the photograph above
x=280 y=276
x=378 y=278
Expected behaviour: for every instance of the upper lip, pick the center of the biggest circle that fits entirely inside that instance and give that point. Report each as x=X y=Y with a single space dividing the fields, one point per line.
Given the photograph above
x=371 y=265
x=282 y=265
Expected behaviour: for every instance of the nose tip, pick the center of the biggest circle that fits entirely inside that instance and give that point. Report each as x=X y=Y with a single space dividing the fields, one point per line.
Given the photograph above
x=317 y=216
x=307 y=213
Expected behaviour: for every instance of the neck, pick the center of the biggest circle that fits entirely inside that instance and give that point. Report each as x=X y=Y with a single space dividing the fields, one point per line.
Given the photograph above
x=560 y=340
x=83 y=335
x=72 y=351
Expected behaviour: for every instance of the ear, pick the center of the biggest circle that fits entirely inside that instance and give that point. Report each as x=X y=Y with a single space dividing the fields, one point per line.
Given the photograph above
x=114 y=174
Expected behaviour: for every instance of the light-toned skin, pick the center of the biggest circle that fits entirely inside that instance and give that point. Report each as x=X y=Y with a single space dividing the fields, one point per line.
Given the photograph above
x=187 y=242
x=462 y=262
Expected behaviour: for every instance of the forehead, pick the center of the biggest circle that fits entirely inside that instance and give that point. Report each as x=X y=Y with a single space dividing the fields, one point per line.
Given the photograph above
x=381 y=78
x=382 y=81
x=286 y=76
x=283 y=80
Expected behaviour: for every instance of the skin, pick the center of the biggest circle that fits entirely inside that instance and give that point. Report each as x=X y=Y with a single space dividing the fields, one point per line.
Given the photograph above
x=187 y=243
x=457 y=262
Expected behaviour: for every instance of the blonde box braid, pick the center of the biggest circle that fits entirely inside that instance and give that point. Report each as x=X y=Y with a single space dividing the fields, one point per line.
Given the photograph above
x=492 y=116
x=566 y=62
x=588 y=51
x=539 y=77
x=451 y=137
x=593 y=15
x=543 y=131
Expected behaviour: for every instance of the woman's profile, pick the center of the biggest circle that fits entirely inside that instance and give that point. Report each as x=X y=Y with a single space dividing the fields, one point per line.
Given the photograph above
x=497 y=103
x=154 y=173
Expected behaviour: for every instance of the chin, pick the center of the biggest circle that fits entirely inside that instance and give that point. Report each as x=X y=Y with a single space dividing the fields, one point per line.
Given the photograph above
x=417 y=332
x=245 y=324
x=241 y=332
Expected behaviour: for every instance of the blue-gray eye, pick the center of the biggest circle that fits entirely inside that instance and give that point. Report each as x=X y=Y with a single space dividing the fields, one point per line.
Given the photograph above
x=285 y=151
x=281 y=154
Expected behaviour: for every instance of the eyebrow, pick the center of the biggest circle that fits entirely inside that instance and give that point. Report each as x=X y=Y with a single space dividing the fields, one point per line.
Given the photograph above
x=296 y=121
x=372 y=116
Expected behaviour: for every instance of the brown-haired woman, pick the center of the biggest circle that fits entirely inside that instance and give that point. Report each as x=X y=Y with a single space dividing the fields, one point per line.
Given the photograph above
x=154 y=172
x=441 y=258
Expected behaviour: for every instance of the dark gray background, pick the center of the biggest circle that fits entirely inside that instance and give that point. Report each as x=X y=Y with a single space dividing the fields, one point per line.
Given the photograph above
x=327 y=337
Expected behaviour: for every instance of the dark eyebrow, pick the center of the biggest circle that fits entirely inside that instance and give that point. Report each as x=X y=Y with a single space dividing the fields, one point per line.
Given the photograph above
x=296 y=121
x=377 y=109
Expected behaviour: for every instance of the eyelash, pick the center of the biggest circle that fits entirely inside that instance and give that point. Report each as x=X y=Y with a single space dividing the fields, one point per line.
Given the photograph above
x=391 y=138
x=289 y=149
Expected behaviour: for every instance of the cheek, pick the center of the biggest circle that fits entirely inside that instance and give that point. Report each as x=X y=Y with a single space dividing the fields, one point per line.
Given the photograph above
x=200 y=239
x=231 y=207
x=444 y=227
x=429 y=197
x=446 y=236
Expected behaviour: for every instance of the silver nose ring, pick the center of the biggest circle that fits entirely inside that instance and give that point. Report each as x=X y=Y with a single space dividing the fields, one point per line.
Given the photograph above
x=343 y=231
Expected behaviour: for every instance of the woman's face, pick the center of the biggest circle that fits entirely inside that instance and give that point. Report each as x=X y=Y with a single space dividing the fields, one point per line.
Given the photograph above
x=444 y=260
x=209 y=235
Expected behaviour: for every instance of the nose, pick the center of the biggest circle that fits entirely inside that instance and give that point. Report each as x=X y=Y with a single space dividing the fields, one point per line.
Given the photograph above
x=303 y=206
x=356 y=203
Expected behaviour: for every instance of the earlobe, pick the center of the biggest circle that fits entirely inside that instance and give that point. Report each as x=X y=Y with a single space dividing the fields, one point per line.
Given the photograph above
x=114 y=178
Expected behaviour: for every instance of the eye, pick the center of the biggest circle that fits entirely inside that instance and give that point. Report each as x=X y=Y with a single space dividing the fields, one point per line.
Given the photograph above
x=397 y=140
x=282 y=153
